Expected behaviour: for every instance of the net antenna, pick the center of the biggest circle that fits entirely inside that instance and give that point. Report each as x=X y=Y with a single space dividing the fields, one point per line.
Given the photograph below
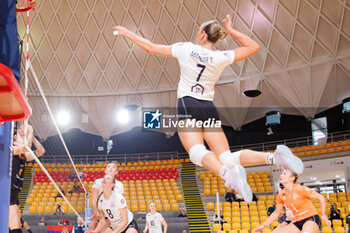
x=26 y=8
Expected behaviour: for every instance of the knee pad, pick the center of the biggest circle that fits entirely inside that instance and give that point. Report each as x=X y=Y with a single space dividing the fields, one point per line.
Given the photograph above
x=230 y=159
x=197 y=152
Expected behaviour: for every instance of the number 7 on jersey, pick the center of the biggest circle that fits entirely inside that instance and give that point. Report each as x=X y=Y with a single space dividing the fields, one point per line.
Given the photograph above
x=201 y=72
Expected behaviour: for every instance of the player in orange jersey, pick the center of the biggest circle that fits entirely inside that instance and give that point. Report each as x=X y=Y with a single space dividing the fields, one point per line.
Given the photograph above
x=298 y=199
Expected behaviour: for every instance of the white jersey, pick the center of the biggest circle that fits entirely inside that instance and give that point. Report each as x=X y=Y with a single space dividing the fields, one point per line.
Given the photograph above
x=118 y=186
x=111 y=208
x=154 y=222
x=200 y=68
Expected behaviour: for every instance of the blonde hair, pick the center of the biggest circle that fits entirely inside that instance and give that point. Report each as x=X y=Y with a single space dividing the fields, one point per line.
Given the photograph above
x=214 y=31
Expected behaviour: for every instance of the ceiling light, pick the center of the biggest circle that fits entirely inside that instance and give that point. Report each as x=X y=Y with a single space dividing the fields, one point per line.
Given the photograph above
x=63 y=118
x=123 y=116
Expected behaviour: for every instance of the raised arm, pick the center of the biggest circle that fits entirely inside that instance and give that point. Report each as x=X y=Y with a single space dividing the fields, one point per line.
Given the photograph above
x=18 y=146
x=322 y=202
x=273 y=216
x=249 y=46
x=40 y=150
x=148 y=46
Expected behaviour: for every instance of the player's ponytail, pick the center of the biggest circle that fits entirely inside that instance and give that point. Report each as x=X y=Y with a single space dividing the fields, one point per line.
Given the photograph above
x=214 y=31
x=295 y=175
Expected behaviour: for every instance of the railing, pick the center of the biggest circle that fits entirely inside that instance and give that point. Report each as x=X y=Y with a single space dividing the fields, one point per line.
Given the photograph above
x=114 y=158
x=296 y=142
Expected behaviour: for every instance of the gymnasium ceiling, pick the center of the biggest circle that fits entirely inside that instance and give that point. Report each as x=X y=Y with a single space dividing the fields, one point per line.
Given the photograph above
x=303 y=65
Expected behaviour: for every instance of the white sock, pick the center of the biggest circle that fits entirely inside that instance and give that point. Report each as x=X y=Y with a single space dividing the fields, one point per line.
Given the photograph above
x=224 y=172
x=270 y=158
x=230 y=159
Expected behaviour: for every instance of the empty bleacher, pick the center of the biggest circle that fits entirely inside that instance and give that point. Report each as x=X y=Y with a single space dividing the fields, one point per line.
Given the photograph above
x=144 y=182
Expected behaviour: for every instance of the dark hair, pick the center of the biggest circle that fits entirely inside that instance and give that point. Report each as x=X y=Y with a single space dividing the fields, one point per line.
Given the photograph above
x=295 y=175
x=214 y=31
x=281 y=186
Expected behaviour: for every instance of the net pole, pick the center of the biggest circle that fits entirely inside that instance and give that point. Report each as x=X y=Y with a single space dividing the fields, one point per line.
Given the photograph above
x=5 y=173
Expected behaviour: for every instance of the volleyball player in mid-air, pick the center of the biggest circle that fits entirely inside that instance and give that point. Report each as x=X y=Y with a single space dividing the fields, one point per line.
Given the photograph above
x=200 y=68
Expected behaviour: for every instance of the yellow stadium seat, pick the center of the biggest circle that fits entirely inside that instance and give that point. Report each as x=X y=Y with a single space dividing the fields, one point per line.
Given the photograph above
x=35 y=204
x=32 y=210
x=40 y=210
x=236 y=226
x=274 y=224
x=159 y=207
x=339 y=229
x=245 y=214
x=255 y=218
x=216 y=227
x=143 y=208
x=245 y=219
x=210 y=205
x=48 y=209
x=255 y=224
x=227 y=215
x=29 y=200
x=337 y=222
x=80 y=209
x=179 y=197
x=166 y=207
x=236 y=219
x=175 y=207
x=327 y=229
x=226 y=226
x=263 y=218
x=266 y=230
x=134 y=208
x=207 y=192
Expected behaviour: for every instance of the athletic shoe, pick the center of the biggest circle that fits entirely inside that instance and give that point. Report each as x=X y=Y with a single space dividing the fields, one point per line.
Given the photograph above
x=238 y=181
x=285 y=158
